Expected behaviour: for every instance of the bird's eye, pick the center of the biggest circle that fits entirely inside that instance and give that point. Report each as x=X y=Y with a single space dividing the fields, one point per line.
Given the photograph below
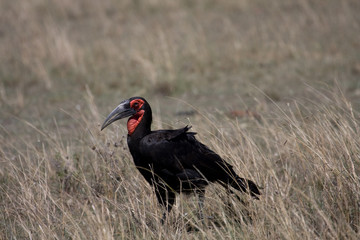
x=136 y=104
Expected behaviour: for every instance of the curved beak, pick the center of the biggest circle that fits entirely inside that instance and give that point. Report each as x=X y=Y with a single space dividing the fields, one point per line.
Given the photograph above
x=121 y=111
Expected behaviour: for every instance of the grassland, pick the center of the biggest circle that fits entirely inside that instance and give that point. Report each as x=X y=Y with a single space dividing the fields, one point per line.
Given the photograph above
x=272 y=86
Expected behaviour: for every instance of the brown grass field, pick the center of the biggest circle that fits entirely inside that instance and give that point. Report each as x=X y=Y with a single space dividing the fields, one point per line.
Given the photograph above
x=272 y=86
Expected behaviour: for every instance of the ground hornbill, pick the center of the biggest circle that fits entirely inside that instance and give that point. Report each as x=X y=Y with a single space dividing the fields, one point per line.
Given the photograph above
x=173 y=160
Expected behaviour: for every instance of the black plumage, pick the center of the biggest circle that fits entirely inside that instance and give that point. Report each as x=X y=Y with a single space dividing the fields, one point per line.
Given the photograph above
x=173 y=160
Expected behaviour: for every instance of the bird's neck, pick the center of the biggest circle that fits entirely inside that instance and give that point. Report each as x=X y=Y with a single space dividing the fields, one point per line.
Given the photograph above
x=139 y=125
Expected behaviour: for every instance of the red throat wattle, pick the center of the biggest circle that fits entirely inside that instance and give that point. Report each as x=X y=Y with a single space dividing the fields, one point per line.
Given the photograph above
x=134 y=121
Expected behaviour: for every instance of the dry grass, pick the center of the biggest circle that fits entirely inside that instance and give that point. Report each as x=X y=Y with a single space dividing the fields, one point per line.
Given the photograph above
x=65 y=64
x=307 y=162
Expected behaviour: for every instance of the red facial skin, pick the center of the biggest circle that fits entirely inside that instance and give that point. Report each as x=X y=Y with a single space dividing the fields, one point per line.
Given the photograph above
x=134 y=121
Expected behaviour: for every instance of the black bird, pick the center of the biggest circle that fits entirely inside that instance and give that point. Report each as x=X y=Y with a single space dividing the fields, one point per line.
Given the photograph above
x=173 y=160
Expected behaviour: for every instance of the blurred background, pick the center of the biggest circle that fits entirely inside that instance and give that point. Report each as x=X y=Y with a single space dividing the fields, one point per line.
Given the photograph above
x=212 y=54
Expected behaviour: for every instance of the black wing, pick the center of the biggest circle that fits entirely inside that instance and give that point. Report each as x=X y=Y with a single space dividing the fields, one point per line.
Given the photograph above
x=177 y=152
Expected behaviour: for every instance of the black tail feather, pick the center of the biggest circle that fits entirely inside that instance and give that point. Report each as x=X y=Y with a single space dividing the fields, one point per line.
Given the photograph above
x=245 y=185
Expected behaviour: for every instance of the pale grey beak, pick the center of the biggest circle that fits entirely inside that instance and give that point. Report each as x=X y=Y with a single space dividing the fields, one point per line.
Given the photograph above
x=121 y=111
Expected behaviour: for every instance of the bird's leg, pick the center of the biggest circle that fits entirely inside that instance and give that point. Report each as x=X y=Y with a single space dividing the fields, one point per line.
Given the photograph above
x=201 y=196
x=163 y=217
x=167 y=211
x=168 y=203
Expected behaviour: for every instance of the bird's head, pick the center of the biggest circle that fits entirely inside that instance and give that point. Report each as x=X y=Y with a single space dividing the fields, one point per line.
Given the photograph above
x=135 y=108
